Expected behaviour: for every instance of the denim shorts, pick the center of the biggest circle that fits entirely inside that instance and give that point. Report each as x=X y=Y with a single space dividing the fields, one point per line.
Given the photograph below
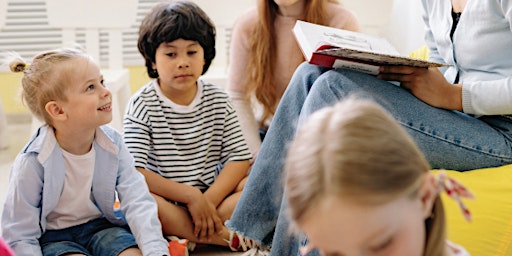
x=96 y=237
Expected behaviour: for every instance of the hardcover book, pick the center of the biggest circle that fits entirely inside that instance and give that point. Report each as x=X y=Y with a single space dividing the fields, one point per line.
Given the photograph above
x=339 y=48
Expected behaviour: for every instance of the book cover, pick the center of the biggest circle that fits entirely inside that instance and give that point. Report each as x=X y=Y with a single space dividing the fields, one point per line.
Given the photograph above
x=339 y=48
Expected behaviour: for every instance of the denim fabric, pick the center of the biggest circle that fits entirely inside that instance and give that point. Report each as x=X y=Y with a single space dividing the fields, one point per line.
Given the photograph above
x=449 y=139
x=256 y=213
x=97 y=237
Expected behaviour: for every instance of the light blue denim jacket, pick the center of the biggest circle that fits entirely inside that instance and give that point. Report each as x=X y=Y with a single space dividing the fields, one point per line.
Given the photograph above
x=481 y=51
x=37 y=179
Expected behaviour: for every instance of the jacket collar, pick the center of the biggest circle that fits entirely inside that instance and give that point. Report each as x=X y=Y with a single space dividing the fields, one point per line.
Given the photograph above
x=44 y=142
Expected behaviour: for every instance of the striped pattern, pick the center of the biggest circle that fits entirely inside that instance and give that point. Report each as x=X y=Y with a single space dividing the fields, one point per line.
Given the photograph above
x=185 y=144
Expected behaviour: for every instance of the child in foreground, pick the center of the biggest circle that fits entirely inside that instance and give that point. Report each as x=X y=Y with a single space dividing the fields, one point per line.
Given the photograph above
x=357 y=184
x=183 y=133
x=63 y=184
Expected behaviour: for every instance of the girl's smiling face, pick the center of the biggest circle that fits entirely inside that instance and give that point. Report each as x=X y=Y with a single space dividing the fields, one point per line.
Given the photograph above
x=88 y=101
x=179 y=64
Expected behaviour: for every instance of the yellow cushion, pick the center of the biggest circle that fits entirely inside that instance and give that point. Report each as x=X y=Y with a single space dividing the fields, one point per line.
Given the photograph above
x=490 y=231
x=420 y=53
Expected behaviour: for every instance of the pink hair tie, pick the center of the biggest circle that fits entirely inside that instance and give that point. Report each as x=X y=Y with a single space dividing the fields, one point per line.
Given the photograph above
x=456 y=191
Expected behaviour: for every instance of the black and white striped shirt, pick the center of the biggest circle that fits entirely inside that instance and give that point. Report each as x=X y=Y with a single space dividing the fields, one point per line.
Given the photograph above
x=187 y=144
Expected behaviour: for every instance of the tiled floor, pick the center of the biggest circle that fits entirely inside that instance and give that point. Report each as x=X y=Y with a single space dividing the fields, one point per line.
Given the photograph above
x=18 y=134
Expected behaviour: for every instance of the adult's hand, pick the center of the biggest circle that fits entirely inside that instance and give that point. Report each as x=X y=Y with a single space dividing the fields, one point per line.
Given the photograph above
x=427 y=84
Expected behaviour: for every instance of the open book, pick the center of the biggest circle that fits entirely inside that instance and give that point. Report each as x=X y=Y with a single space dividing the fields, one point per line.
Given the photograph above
x=339 y=48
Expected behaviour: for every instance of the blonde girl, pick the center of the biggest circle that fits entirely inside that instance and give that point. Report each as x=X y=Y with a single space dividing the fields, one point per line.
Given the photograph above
x=65 y=180
x=264 y=55
x=357 y=184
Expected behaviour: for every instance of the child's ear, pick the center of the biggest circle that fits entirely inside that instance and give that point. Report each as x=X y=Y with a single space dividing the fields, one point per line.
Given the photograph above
x=427 y=194
x=55 y=110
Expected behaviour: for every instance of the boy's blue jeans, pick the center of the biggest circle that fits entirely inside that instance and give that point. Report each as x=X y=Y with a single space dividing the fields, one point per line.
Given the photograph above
x=96 y=237
x=449 y=140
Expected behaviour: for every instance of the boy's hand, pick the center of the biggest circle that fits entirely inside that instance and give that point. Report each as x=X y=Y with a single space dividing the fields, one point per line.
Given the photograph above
x=218 y=224
x=204 y=216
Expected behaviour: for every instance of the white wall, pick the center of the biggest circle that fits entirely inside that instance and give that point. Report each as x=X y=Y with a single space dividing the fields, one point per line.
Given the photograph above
x=406 y=29
x=397 y=20
x=373 y=15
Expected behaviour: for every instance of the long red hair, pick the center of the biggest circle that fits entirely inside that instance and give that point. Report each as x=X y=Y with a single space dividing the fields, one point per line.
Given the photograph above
x=261 y=65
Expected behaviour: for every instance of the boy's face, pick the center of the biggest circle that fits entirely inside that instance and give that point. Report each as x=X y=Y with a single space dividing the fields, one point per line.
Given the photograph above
x=179 y=64
x=88 y=103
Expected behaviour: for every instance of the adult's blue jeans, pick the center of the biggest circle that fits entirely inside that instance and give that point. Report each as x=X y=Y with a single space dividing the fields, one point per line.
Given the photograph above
x=449 y=139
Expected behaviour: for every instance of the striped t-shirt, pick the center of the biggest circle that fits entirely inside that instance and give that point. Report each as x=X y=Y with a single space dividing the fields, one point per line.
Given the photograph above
x=184 y=143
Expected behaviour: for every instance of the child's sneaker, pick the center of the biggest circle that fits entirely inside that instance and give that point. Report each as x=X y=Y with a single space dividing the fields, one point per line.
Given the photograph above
x=239 y=243
x=180 y=247
x=256 y=252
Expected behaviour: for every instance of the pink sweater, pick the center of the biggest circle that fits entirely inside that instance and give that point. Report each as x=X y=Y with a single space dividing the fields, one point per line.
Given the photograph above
x=288 y=57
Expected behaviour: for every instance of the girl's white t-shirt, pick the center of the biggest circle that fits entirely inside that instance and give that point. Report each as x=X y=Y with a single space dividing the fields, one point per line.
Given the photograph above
x=75 y=204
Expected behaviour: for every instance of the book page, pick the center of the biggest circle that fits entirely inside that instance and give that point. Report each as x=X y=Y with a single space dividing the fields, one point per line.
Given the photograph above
x=358 y=41
x=319 y=36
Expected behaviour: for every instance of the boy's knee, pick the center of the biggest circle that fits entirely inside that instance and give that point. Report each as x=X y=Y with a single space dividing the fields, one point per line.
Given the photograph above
x=112 y=240
x=241 y=185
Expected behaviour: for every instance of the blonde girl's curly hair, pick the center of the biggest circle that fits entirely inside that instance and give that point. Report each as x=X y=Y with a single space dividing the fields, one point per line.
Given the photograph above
x=356 y=150
x=41 y=83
